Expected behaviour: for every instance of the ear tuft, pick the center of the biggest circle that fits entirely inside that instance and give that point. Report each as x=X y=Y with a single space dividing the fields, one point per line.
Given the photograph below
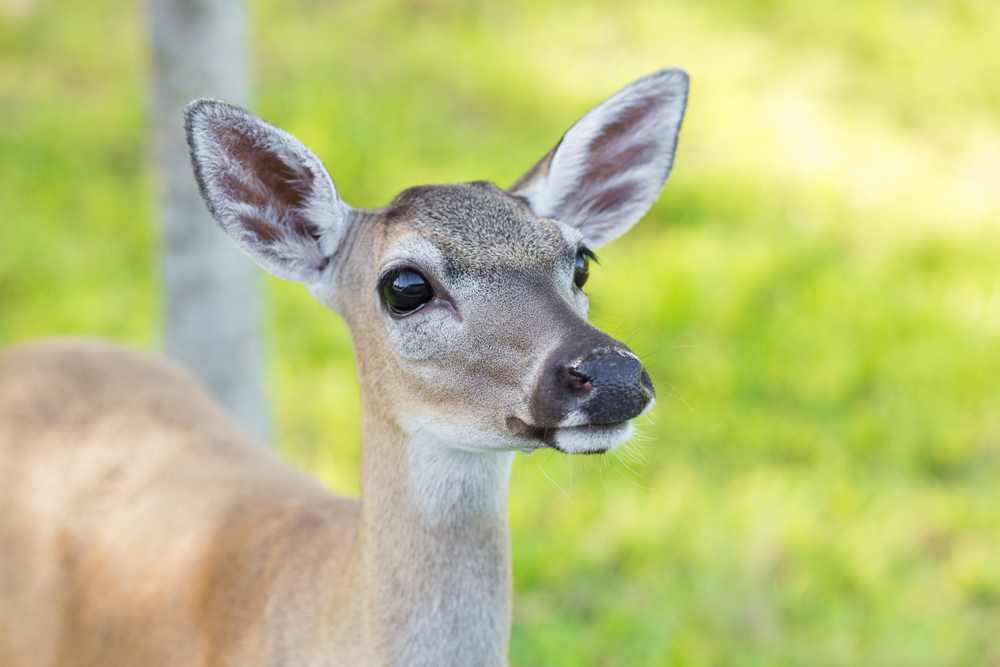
x=610 y=167
x=266 y=190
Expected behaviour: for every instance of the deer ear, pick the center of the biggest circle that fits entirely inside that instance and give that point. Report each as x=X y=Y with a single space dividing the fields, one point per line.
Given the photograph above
x=610 y=167
x=269 y=192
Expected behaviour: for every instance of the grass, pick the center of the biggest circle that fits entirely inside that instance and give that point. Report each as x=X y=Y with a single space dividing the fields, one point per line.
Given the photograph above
x=817 y=293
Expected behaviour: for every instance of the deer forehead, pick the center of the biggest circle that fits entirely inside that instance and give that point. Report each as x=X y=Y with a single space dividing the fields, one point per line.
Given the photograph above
x=505 y=273
x=479 y=233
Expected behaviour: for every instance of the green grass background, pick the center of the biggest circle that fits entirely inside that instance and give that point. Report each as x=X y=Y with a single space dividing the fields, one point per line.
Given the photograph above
x=817 y=293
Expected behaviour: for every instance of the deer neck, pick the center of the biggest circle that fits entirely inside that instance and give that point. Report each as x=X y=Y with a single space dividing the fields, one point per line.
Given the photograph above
x=433 y=547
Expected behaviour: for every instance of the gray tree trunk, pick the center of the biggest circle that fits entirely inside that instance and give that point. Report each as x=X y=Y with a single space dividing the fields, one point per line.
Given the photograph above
x=200 y=50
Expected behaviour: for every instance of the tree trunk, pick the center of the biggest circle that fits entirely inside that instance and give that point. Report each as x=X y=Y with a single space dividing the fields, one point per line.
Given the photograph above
x=199 y=50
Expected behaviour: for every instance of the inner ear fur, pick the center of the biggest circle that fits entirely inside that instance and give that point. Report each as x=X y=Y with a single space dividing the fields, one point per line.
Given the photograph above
x=266 y=190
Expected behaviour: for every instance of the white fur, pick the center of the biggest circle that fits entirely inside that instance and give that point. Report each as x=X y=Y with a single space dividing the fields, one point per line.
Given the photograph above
x=592 y=440
x=463 y=437
x=459 y=485
x=574 y=418
x=455 y=479
x=560 y=193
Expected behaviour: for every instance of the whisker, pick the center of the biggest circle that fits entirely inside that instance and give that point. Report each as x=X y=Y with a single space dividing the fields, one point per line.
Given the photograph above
x=622 y=461
x=626 y=477
x=601 y=473
x=518 y=483
x=558 y=487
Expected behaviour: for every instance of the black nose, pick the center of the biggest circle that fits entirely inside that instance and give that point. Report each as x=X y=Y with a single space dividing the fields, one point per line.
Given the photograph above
x=619 y=387
x=592 y=380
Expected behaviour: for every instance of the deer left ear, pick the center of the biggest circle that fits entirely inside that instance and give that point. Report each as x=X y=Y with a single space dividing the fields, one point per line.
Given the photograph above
x=610 y=167
x=269 y=192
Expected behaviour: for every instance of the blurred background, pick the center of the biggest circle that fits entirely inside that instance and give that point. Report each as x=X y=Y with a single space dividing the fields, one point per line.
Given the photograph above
x=817 y=292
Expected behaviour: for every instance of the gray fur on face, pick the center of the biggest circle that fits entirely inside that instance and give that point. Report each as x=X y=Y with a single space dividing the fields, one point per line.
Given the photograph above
x=482 y=230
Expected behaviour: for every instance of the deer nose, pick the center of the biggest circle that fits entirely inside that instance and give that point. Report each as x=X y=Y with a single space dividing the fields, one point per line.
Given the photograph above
x=617 y=387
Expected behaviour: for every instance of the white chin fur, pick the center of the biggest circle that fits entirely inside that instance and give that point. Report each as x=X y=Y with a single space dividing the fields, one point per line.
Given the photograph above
x=592 y=439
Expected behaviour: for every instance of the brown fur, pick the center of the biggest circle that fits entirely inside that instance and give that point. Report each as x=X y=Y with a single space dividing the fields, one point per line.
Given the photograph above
x=139 y=526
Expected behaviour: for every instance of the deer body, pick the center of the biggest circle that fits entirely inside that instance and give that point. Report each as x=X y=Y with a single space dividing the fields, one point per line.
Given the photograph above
x=139 y=526
x=172 y=525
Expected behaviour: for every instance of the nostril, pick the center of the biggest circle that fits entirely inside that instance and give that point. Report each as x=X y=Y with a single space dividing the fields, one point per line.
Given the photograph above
x=578 y=381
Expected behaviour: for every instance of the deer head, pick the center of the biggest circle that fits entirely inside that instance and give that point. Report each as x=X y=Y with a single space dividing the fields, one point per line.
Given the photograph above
x=465 y=302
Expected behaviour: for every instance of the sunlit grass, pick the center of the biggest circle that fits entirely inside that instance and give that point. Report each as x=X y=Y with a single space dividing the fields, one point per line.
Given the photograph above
x=817 y=293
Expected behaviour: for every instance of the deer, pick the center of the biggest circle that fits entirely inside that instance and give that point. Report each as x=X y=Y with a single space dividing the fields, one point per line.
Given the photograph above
x=140 y=526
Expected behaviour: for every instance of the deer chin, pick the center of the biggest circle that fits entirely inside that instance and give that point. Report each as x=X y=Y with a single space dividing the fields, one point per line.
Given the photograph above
x=591 y=438
x=572 y=439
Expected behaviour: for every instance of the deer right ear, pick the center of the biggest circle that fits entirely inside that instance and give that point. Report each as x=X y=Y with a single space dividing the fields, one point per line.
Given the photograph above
x=266 y=190
x=610 y=167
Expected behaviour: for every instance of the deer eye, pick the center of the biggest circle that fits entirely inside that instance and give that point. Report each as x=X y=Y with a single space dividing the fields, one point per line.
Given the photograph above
x=581 y=270
x=404 y=290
